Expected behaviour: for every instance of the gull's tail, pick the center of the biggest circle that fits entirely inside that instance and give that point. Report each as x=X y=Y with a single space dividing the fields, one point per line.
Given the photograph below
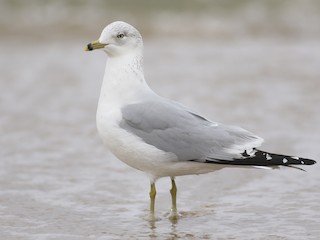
x=265 y=159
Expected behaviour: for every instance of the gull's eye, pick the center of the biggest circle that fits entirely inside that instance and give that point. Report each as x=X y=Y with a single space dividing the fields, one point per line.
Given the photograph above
x=120 y=35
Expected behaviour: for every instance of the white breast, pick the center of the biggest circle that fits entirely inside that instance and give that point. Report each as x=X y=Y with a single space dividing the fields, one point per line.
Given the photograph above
x=129 y=148
x=124 y=84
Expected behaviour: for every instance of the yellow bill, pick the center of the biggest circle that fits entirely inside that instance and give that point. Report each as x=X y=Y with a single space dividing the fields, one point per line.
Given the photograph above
x=94 y=45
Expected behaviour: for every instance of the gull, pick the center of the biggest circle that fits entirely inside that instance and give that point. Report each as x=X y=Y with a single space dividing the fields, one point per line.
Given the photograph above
x=159 y=136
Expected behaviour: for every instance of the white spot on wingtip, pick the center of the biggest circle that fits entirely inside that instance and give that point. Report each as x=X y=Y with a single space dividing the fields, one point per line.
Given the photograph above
x=268 y=157
x=296 y=158
x=251 y=152
x=285 y=160
x=302 y=162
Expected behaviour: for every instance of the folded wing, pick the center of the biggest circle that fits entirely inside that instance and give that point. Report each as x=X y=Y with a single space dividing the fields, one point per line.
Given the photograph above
x=173 y=128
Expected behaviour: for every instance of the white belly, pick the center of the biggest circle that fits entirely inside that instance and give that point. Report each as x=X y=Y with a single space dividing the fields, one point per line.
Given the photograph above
x=133 y=151
x=130 y=149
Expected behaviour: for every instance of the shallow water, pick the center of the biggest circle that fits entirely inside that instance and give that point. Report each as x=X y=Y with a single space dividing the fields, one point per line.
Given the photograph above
x=57 y=180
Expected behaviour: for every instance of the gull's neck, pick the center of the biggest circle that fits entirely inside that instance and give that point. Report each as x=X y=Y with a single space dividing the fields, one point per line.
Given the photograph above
x=123 y=81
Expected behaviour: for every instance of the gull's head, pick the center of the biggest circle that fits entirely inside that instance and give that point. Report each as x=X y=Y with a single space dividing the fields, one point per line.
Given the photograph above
x=118 y=38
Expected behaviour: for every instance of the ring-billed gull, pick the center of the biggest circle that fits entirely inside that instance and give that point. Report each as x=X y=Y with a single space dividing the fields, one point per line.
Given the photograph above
x=159 y=136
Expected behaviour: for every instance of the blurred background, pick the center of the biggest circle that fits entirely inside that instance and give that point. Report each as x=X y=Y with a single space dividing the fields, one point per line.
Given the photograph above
x=226 y=19
x=249 y=63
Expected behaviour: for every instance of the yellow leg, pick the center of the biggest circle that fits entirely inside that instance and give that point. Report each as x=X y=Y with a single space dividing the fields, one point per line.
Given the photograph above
x=174 y=212
x=152 y=199
x=173 y=192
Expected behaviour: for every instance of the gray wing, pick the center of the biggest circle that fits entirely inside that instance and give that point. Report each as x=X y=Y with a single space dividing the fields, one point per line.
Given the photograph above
x=173 y=128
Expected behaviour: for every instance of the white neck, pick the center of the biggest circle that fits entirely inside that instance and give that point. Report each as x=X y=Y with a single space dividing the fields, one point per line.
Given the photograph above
x=123 y=81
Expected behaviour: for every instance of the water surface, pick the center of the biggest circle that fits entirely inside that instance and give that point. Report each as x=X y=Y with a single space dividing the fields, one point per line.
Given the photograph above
x=57 y=181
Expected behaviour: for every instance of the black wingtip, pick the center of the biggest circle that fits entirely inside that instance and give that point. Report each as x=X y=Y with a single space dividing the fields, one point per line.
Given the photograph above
x=279 y=159
x=312 y=162
x=262 y=158
x=305 y=161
